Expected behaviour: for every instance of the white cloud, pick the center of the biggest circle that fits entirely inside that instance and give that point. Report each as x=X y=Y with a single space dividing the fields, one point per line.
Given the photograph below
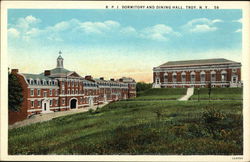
x=202 y=28
x=201 y=25
x=238 y=30
x=159 y=32
x=128 y=30
x=13 y=32
x=99 y=27
x=239 y=20
x=27 y=22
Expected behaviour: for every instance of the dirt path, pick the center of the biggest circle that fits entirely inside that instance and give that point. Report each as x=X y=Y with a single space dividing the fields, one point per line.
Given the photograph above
x=49 y=116
x=190 y=92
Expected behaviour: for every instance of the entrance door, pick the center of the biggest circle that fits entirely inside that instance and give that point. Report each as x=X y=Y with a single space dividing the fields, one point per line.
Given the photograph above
x=91 y=103
x=73 y=103
x=44 y=106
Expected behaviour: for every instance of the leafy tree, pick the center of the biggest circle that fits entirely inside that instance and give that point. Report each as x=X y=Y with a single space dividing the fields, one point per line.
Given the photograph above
x=142 y=86
x=15 y=93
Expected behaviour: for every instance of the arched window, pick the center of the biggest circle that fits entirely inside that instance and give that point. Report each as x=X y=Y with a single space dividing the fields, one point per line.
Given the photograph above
x=192 y=76
x=165 y=77
x=31 y=81
x=183 y=76
x=223 y=75
x=213 y=76
x=203 y=76
x=174 y=77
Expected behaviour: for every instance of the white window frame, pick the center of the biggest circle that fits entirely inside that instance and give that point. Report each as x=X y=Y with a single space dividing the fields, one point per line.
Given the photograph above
x=32 y=92
x=32 y=103
x=39 y=90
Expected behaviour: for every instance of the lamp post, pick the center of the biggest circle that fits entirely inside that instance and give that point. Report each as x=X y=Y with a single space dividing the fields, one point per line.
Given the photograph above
x=198 y=94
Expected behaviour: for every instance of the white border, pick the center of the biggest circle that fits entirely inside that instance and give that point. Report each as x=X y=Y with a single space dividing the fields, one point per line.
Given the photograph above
x=101 y=5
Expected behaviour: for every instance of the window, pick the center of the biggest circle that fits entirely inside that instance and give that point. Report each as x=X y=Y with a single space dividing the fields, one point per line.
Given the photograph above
x=183 y=77
x=192 y=76
x=234 y=79
x=44 y=94
x=165 y=77
x=68 y=91
x=62 y=91
x=31 y=82
x=72 y=91
x=223 y=75
x=35 y=82
x=32 y=103
x=76 y=91
x=157 y=81
x=50 y=92
x=31 y=92
x=63 y=101
x=50 y=102
x=39 y=103
x=55 y=102
x=213 y=76
x=203 y=77
x=38 y=92
x=234 y=70
x=174 y=77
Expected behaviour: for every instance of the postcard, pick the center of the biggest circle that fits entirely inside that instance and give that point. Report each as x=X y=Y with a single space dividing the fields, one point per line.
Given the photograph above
x=125 y=81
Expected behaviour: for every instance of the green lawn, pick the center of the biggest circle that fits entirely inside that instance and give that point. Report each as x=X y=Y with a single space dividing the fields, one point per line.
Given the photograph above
x=138 y=127
x=219 y=94
x=161 y=94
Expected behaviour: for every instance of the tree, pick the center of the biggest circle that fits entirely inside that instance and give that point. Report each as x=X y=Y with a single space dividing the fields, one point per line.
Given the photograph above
x=15 y=95
x=142 y=86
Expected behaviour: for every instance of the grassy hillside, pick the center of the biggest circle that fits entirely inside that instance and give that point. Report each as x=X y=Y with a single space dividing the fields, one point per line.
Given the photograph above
x=219 y=94
x=162 y=94
x=138 y=127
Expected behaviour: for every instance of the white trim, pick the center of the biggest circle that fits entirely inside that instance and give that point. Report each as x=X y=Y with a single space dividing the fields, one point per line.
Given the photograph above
x=42 y=98
x=43 y=87
x=198 y=68
x=70 y=95
x=32 y=110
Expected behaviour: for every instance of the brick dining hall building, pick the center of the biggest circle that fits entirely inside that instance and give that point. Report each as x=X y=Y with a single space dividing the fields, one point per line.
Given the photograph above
x=218 y=72
x=60 y=89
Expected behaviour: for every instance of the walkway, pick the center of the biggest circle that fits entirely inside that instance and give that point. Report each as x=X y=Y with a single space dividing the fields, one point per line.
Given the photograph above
x=49 y=116
x=190 y=92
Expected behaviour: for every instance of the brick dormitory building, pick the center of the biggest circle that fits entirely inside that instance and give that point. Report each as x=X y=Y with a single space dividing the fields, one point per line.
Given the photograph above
x=60 y=89
x=198 y=73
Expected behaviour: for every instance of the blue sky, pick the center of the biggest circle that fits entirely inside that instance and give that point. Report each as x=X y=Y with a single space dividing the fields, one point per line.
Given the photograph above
x=115 y=43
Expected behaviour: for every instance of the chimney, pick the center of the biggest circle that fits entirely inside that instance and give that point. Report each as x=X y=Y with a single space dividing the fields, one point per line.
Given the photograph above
x=101 y=78
x=112 y=79
x=121 y=80
x=47 y=72
x=14 y=71
x=88 y=77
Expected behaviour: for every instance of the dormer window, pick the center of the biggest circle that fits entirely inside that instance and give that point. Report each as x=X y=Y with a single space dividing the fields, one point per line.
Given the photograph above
x=38 y=82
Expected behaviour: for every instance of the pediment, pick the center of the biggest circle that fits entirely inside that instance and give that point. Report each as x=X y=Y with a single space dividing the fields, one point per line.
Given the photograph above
x=74 y=74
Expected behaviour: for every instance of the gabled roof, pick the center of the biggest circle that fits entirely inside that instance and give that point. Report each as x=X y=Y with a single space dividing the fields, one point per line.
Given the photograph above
x=36 y=76
x=62 y=72
x=197 y=62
